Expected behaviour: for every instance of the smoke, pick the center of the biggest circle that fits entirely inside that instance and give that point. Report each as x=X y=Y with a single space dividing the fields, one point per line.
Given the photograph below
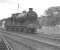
x=8 y=1
x=3 y=1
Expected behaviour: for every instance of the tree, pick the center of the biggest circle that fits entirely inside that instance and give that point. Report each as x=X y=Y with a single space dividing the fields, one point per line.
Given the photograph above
x=53 y=14
x=53 y=11
x=43 y=20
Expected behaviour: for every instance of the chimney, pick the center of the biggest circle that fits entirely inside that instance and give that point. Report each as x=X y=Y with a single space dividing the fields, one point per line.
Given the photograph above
x=30 y=9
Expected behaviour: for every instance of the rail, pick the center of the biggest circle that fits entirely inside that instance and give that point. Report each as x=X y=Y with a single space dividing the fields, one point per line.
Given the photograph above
x=43 y=40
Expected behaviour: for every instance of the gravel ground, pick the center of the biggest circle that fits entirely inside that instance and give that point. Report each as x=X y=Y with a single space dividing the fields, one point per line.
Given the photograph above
x=19 y=43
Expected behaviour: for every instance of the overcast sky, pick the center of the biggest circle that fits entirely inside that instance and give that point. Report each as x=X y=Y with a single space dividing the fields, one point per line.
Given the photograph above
x=7 y=7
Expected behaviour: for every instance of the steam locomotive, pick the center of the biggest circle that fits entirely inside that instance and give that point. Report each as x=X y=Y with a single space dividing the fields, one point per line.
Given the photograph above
x=22 y=22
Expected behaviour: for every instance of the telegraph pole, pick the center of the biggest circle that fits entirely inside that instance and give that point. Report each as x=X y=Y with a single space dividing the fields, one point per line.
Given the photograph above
x=18 y=6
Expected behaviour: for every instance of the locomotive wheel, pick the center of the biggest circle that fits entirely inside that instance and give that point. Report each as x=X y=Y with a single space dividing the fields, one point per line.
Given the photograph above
x=25 y=30
x=6 y=28
x=17 y=29
x=22 y=30
x=31 y=30
x=12 y=29
x=9 y=29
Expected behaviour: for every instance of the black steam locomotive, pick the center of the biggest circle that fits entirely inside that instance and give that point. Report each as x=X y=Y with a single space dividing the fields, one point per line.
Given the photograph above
x=22 y=22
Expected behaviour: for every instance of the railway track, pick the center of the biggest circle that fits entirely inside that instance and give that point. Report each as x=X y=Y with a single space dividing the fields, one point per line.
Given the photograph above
x=29 y=42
